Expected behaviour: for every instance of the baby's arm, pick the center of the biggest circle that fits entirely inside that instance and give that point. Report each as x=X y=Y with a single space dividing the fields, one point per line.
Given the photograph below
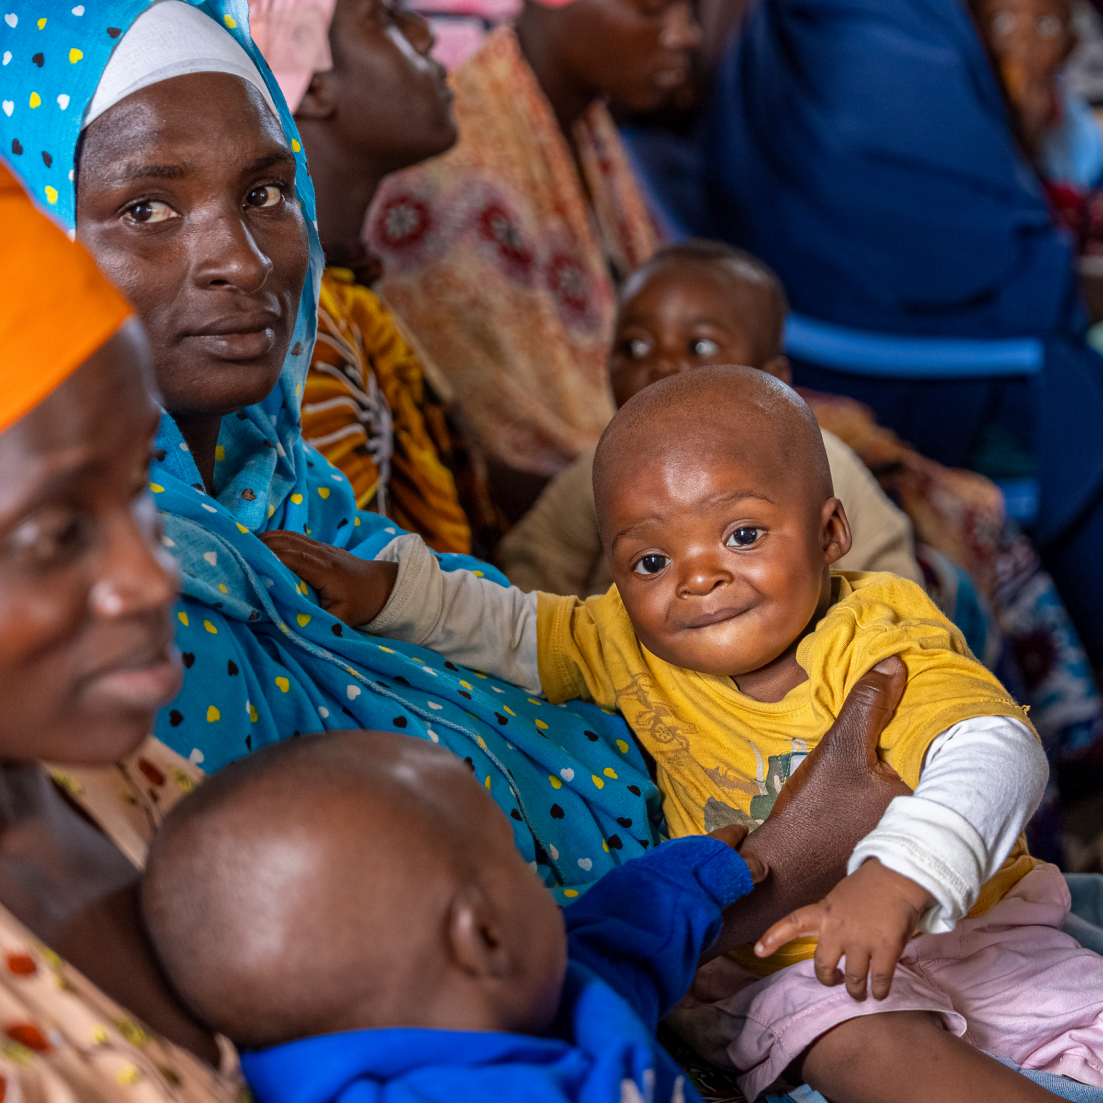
x=922 y=867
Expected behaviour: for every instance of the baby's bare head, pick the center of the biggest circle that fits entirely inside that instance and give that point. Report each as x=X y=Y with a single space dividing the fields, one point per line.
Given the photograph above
x=345 y=881
x=717 y=515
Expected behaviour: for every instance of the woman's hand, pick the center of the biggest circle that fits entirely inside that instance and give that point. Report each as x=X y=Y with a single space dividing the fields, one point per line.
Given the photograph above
x=352 y=589
x=867 y=918
x=832 y=802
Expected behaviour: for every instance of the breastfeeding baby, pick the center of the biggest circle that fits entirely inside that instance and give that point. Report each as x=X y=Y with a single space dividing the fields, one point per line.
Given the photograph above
x=729 y=644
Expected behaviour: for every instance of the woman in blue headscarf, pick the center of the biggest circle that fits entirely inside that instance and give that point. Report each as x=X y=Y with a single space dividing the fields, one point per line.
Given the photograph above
x=863 y=148
x=173 y=110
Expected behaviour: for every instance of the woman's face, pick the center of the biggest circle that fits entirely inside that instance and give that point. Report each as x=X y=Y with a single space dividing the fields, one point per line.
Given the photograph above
x=86 y=591
x=635 y=52
x=186 y=198
x=393 y=100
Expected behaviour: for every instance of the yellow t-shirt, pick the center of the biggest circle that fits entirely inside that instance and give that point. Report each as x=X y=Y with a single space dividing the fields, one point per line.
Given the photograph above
x=722 y=757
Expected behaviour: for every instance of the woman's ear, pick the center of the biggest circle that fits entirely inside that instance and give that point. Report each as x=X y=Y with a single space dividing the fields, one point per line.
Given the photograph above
x=837 y=540
x=475 y=937
x=319 y=103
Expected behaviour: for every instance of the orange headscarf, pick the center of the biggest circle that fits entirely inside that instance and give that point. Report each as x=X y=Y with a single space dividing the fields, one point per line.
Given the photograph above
x=56 y=308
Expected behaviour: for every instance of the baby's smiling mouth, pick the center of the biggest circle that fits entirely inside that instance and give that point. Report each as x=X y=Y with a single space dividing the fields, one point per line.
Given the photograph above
x=717 y=616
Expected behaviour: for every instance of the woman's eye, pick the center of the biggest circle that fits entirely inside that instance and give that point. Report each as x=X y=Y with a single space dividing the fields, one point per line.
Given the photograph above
x=651 y=564
x=149 y=210
x=1049 y=26
x=1003 y=22
x=638 y=348
x=705 y=347
x=53 y=537
x=743 y=538
x=268 y=195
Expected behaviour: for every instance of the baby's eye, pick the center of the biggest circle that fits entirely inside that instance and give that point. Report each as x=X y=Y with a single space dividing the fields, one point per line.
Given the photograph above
x=267 y=195
x=639 y=348
x=651 y=564
x=705 y=347
x=1049 y=26
x=1003 y=22
x=743 y=538
x=149 y=210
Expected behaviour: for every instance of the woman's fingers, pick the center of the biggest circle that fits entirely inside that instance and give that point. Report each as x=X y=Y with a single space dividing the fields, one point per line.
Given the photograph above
x=802 y=923
x=865 y=713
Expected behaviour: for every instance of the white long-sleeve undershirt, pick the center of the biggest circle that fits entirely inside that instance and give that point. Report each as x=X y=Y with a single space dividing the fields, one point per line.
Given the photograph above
x=981 y=780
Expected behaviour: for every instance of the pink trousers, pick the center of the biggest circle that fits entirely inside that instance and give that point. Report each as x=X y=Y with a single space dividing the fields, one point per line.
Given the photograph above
x=1010 y=982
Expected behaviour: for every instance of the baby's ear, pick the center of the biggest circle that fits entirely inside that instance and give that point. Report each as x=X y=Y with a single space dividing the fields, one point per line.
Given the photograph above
x=476 y=937
x=837 y=540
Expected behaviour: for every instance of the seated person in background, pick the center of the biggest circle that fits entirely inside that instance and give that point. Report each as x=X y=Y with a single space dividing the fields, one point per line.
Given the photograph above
x=728 y=644
x=405 y=969
x=1029 y=42
x=690 y=305
x=372 y=404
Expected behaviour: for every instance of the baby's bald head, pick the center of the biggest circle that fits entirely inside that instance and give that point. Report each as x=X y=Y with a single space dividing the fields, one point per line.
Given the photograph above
x=310 y=887
x=717 y=515
x=733 y=409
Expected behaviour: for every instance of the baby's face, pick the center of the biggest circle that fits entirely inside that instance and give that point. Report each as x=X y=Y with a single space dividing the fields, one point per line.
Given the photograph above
x=685 y=314
x=720 y=564
x=1030 y=39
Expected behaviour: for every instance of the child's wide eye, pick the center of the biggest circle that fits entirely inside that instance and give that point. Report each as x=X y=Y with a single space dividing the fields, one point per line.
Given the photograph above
x=651 y=564
x=638 y=348
x=705 y=347
x=1049 y=26
x=1003 y=22
x=743 y=538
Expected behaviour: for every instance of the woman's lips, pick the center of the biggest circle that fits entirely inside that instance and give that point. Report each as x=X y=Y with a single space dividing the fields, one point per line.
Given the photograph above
x=246 y=345
x=144 y=687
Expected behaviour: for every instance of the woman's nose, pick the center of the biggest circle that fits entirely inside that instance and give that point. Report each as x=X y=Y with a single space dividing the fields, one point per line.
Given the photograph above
x=136 y=575
x=681 y=31
x=226 y=254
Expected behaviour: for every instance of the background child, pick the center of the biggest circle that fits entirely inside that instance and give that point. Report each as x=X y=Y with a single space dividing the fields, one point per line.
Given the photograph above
x=691 y=305
x=729 y=645
x=320 y=904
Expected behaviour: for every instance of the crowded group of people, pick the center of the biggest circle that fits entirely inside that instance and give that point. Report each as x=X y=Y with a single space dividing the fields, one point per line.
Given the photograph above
x=486 y=616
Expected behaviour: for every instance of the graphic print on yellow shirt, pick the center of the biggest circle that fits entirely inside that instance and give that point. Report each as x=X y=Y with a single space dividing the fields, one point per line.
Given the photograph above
x=722 y=756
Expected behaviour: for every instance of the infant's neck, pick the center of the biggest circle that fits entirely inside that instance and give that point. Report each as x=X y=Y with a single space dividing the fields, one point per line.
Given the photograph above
x=771 y=682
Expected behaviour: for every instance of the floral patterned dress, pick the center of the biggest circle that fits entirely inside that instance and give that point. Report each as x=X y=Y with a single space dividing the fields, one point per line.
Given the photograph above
x=61 y=1039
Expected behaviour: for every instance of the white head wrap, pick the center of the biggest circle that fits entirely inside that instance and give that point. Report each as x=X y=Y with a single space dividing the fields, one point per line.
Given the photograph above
x=171 y=39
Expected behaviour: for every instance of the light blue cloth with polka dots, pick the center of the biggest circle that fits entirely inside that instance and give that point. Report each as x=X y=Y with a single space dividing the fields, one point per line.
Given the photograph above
x=263 y=660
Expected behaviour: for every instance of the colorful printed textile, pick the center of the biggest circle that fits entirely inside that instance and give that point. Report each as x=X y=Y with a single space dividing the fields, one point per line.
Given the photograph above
x=65 y=1040
x=263 y=660
x=500 y=264
x=369 y=409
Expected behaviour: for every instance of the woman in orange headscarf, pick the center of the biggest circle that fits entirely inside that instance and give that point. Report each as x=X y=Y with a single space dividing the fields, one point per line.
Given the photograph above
x=86 y=659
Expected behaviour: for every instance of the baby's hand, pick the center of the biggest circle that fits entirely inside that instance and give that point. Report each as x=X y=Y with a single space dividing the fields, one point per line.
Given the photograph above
x=868 y=917
x=353 y=590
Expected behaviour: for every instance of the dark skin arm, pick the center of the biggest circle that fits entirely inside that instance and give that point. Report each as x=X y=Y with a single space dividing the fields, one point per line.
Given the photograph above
x=833 y=801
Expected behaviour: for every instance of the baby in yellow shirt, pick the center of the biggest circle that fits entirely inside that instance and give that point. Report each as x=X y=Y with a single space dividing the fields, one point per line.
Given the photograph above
x=729 y=645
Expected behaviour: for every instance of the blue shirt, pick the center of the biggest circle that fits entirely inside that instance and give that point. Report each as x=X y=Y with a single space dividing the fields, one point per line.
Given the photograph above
x=634 y=940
